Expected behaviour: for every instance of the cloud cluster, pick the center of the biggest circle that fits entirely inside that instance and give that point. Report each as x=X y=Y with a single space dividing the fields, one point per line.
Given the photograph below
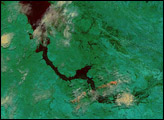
x=6 y=39
x=25 y=9
x=125 y=99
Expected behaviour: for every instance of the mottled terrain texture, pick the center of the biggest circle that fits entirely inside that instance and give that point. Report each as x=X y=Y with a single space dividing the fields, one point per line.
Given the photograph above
x=71 y=59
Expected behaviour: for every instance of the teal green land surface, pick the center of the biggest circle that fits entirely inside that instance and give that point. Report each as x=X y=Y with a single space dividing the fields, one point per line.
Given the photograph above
x=122 y=41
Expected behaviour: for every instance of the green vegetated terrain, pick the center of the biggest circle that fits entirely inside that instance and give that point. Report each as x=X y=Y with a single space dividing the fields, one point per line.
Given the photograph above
x=122 y=41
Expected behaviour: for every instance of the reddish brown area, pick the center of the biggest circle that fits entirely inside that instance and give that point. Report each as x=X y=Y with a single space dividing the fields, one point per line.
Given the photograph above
x=38 y=8
x=35 y=14
x=2 y=3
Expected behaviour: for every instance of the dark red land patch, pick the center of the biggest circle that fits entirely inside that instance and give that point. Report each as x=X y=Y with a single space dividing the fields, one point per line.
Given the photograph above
x=38 y=8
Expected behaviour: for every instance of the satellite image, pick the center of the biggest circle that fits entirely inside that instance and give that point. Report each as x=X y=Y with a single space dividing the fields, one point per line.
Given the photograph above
x=81 y=59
